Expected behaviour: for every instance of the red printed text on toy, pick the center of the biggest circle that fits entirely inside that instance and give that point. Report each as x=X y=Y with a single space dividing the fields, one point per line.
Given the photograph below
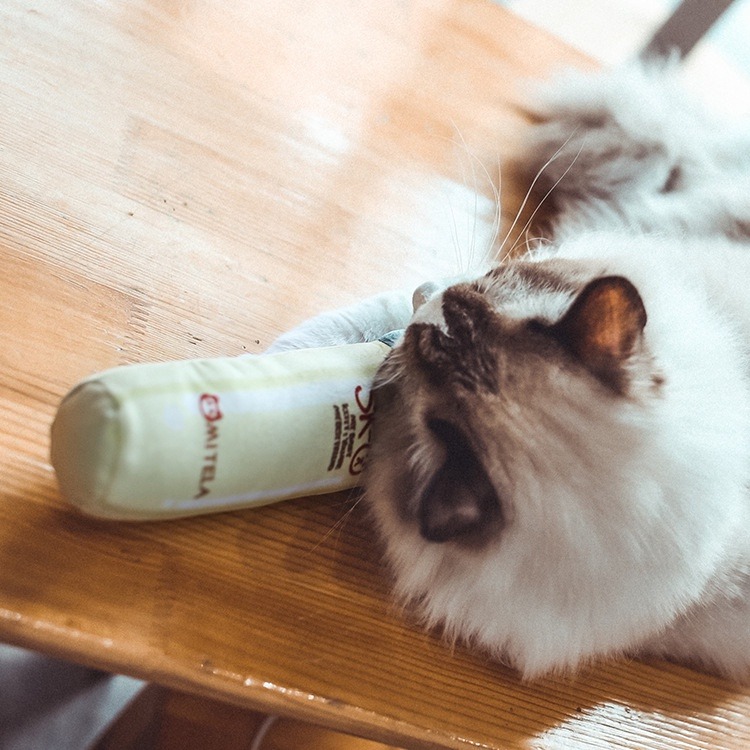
x=209 y=406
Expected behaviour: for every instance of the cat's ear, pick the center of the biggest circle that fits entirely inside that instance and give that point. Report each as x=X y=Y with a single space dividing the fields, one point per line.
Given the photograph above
x=604 y=328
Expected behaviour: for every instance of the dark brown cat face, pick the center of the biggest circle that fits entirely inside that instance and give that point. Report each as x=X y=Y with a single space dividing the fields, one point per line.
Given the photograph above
x=481 y=381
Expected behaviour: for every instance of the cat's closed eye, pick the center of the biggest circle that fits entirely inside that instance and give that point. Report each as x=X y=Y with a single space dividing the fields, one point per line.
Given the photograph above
x=674 y=180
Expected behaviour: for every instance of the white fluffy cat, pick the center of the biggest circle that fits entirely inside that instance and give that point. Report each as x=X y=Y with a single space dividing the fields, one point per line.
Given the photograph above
x=561 y=456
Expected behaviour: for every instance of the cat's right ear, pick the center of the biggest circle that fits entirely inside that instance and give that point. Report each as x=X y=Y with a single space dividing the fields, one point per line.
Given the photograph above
x=604 y=327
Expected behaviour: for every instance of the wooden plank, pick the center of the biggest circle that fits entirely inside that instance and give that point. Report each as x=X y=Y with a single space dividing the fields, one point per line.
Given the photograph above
x=190 y=179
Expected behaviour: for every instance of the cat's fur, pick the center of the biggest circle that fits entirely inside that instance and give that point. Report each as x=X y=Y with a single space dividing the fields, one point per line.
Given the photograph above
x=562 y=445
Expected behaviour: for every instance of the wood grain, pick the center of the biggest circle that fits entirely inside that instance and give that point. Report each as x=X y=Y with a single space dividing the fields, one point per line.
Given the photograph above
x=186 y=179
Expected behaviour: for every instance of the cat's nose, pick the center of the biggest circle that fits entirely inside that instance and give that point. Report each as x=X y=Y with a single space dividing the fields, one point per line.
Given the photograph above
x=460 y=502
x=422 y=293
x=461 y=518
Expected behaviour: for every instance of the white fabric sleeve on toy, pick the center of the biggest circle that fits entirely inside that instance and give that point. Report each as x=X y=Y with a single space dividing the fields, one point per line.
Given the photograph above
x=180 y=438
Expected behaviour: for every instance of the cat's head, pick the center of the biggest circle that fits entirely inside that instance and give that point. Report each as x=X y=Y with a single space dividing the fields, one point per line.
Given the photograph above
x=516 y=473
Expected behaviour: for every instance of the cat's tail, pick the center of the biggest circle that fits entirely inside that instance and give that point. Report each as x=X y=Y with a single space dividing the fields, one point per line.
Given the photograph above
x=631 y=146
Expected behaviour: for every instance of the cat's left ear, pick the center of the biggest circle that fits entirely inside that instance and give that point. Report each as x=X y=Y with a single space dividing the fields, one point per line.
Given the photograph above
x=604 y=328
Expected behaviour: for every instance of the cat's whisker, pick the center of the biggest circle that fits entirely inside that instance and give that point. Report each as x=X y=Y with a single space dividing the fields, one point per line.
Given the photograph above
x=521 y=241
x=339 y=524
x=538 y=175
x=393 y=374
x=527 y=243
x=497 y=218
x=454 y=234
x=471 y=232
x=468 y=263
x=527 y=240
x=495 y=226
x=547 y=194
x=497 y=193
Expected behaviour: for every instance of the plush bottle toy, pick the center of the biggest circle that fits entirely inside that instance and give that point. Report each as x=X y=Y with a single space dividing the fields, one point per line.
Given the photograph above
x=153 y=441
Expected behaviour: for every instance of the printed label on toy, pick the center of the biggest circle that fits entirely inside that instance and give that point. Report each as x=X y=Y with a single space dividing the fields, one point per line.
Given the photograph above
x=209 y=406
x=352 y=429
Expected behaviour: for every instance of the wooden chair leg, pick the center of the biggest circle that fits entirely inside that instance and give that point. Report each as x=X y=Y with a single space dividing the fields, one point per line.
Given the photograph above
x=137 y=725
x=163 y=719
x=685 y=27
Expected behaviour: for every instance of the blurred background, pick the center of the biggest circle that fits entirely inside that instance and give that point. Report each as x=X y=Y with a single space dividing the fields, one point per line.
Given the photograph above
x=613 y=32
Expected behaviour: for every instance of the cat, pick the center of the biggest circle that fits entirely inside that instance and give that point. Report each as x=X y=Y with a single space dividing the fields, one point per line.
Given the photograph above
x=561 y=450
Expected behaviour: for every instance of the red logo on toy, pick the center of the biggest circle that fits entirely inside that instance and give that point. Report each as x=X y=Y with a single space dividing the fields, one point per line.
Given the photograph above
x=210 y=407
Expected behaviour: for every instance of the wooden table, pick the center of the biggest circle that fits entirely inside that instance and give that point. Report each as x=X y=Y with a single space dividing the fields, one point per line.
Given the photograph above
x=191 y=178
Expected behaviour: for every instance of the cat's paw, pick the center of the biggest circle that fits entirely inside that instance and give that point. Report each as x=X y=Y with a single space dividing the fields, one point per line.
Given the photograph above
x=365 y=321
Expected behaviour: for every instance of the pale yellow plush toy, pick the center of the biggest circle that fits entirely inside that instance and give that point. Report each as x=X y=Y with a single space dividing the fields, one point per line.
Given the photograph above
x=152 y=441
